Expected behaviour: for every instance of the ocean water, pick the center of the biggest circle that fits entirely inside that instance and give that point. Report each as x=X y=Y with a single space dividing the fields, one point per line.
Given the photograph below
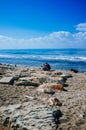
x=64 y=59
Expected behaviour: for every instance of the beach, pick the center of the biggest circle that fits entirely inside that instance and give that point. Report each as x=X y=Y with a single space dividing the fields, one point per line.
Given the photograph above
x=27 y=99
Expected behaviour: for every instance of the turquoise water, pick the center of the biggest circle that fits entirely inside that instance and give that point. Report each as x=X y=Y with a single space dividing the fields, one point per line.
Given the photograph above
x=64 y=59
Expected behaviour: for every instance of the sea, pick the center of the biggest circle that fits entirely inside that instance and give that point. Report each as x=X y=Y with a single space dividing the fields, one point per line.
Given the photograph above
x=63 y=59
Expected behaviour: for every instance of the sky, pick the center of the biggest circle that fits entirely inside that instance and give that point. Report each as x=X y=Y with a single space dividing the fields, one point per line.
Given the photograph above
x=26 y=24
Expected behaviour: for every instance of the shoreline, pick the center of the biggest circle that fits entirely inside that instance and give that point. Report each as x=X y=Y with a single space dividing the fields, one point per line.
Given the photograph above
x=26 y=95
x=58 y=59
x=40 y=67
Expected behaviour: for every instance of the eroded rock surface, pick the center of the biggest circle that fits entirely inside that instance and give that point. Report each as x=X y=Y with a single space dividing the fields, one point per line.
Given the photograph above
x=26 y=100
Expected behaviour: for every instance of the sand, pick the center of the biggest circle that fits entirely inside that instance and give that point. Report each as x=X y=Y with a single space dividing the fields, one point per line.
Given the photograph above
x=26 y=100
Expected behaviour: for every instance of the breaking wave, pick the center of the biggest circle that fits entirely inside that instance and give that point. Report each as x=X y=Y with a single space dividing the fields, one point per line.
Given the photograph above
x=58 y=58
x=40 y=57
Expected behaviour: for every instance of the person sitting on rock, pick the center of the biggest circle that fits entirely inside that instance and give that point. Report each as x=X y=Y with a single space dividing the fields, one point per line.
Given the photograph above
x=46 y=67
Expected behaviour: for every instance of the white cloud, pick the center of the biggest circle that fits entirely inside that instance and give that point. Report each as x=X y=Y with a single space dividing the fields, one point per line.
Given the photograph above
x=80 y=36
x=60 y=39
x=5 y=39
x=81 y=27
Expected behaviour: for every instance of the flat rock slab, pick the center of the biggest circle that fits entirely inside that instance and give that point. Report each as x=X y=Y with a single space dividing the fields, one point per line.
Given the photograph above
x=6 y=80
x=25 y=79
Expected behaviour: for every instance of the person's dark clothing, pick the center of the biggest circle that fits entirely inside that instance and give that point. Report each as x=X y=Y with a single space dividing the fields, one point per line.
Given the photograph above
x=46 y=67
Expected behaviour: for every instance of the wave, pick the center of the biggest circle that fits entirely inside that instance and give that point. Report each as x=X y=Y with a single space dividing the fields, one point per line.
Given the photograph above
x=45 y=57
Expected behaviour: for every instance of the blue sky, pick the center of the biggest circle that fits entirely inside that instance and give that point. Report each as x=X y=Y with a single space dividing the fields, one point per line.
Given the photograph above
x=42 y=24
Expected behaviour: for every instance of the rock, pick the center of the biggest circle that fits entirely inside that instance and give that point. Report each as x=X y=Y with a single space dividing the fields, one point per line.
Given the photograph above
x=4 y=127
x=74 y=70
x=6 y=122
x=2 y=72
x=25 y=78
x=57 y=114
x=54 y=102
x=32 y=114
x=44 y=87
x=15 y=127
x=31 y=109
x=24 y=128
x=55 y=73
x=49 y=91
x=65 y=76
x=7 y=80
x=79 y=122
x=63 y=120
x=40 y=79
x=48 y=87
x=26 y=83
x=37 y=80
x=58 y=80
x=57 y=87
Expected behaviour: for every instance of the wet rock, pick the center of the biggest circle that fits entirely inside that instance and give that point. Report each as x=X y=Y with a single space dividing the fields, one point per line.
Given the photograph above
x=74 y=70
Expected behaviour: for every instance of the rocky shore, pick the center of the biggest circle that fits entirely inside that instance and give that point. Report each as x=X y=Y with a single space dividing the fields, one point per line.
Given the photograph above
x=33 y=99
